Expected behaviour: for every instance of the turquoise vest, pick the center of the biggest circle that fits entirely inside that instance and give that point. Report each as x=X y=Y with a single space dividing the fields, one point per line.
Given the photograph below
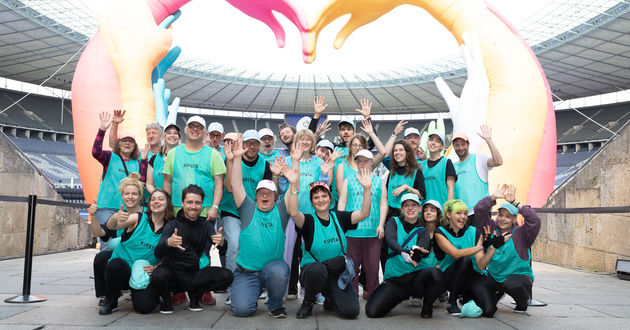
x=140 y=245
x=333 y=181
x=262 y=241
x=506 y=262
x=466 y=241
x=108 y=194
x=396 y=266
x=396 y=181
x=227 y=203
x=192 y=168
x=469 y=187
x=325 y=242
x=270 y=158
x=367 y=227
x=435 y=181
x=252 y=175
x=158 y=167
x=310 y=172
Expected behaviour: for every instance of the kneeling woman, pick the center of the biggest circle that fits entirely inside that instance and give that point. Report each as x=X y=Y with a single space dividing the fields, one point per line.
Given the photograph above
x=411 y=265
x=325 y=247
x=462 y=257
x=141 y=232
x=510 y=269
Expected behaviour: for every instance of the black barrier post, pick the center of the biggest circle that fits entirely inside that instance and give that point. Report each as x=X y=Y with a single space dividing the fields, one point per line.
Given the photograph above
x=26 y=296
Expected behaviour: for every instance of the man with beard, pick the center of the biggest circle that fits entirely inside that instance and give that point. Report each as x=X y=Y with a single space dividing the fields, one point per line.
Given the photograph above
x=267 y=140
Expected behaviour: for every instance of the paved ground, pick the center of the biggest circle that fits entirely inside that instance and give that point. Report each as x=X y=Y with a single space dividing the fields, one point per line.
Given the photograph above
x=576 y=299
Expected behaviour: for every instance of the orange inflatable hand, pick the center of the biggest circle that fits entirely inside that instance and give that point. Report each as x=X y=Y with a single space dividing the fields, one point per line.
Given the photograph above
x=135 y=45
x=362 y=11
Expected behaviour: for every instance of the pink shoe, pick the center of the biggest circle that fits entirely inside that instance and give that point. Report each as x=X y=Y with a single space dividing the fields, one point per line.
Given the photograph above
x=208 y=299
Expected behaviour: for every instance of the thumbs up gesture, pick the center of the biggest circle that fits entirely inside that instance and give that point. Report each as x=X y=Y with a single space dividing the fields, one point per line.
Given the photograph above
x=121 y=217
x=217 y=239
x=175 y=241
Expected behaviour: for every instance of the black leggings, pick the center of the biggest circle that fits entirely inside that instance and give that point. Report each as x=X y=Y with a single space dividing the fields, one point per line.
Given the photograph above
x=100 y=261
x=314 y=278
x=425 y=283
x=456 y=277
x=481 y=289
x=166 y=280
x=117 y=274
x=518 y=287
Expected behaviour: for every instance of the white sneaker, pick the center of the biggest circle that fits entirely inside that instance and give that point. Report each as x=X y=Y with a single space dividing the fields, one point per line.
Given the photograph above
x=263 y=294
x=291 y=297
x=228 y=299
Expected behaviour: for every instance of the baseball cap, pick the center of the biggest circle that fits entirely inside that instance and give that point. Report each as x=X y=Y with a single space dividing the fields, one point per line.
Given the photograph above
x=347 y=120
x=434 y=203
x=196 y=119
x=303 y=123
x=326 y=144
x=268 y=184
x=439 y=134
x=215 y=126
x=410 y=196
x=126 y=134
x=251 y=134
x=510 y=208
x=412 y=130
x=230 y=136
x=266 y=132
x=365 y=153
x=460 y=135
x=172 y=125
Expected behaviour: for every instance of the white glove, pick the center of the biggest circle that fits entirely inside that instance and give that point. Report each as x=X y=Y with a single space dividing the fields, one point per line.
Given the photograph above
x=406 y=257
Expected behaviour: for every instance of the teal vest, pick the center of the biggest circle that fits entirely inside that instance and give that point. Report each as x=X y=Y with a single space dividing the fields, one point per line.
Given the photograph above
x=192 y=168
x=262 y=241
x=367 y=227
x=466 y=241
x=396 y=266
x=310 y=172
x=506 y=262
x=325 y=242
x=158 y=167
x=333 y=181
x=348 y=170
x=252 y=175
x=140 y=245
x=435 y=181
x=270 y=158
x=469 y=187
x=227 y=203
x=396 y=181
x=108 y=194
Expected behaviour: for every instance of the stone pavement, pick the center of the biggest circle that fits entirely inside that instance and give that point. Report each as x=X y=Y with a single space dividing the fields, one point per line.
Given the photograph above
x=577 y=299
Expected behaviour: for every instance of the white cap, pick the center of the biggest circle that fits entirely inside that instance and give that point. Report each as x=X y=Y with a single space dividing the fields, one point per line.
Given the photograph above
x=365 y=153
x=303 y=123
x=434 y=203
x=412 y=130
x=215 y=126
x=268 y=184
x=326 y=144
x=196 y=119
x=266 y=132
x=251 y=134
x=439 y=134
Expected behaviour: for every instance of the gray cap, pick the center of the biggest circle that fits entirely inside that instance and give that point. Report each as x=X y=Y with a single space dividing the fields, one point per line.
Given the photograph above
x=434 y=203
x=440 y=135
x=364 y=153
x=326 y=144
x=412 y=130
x=216 y=126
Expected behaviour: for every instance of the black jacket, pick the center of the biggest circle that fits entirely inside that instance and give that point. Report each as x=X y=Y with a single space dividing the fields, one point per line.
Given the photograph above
x=196 y=239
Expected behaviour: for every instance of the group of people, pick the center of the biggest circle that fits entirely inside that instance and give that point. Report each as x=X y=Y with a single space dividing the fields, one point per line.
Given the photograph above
x=311 y=212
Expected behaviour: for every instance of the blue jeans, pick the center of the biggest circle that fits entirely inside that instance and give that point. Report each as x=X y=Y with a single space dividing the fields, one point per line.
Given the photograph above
x=231 y=231
x=103 y=214
x=247 y=286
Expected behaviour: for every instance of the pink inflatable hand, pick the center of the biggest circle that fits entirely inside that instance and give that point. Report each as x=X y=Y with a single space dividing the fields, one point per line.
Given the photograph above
x=262 y=10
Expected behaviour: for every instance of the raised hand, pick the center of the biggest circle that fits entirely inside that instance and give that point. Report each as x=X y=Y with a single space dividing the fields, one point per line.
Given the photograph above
x=145 y=151
x=292 y=175
x=500 y=192
x=105 y=119
x=276 y=166
x=487 y=237
x=175 y=241
x=485 y=132
x=262 y=10
x=327 y=166
x=366 y=108
x=400 y=127
x=217 y=239
x=323 y=128
x=121 y=217
x=319 y=106
x=362 y=12
x=297 y=152
x=366 y=126
x=119 y=116
x=499 y=240
x=228 y=146
x=364 y=176
x=510 y=193
x=469 y=110
x=238 y=149
x=336 y=154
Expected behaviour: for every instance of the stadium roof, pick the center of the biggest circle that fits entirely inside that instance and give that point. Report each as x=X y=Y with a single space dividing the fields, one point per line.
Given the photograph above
x=583 y=46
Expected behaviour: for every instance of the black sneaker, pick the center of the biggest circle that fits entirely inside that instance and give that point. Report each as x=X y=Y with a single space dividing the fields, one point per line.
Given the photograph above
x=110 y=306
x=444 y=297
x=279 y=313
x=520 y=310
x=194 y=305
x=101 y=301
x=305 y=310
x=166 y=306
x=329 y=305
x=452 y=309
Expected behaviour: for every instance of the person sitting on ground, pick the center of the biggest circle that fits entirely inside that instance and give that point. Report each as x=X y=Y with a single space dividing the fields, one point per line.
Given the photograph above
x=184 y=244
